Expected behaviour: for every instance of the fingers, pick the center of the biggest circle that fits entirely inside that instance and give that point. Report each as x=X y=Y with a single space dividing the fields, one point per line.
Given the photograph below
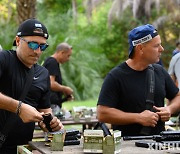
x=43 y=126
x=163 y=112
x=71 y=98
x=42 y=113
x=149 y=118
x=155 y=119
x=29 y=114
x=165 y=117
x=56 y=124
x=154 y=123
x=157 y=109
x=38 y=118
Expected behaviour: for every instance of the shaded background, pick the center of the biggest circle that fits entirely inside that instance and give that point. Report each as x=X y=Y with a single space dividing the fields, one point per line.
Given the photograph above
x=97 y=30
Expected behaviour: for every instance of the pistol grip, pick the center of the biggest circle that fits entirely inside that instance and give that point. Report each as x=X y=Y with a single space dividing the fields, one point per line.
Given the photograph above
x=47 y=119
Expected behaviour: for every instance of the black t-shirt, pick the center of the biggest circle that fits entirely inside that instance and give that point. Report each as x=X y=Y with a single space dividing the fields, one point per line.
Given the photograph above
x=53 y=67
x=12 y=79
x=125 y=89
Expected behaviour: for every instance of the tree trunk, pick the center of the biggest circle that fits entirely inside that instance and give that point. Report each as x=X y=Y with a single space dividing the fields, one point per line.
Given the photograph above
x=115 y=11
x=26 y=9
x=89 y=10
x=74 y=8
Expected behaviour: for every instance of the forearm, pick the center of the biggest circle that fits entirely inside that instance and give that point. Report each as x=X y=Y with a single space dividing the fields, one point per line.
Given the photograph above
x=55 y=86
x=115 y=116
x=8 y=103
x=174 y=104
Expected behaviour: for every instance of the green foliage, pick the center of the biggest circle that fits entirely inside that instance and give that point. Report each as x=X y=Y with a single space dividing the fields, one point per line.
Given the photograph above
x=113 y=40
x=55 y=6
x=7 y=10
x=7 y=34
x=69 y=105
x=83 y=71
x=81 y=74
x=7 y=23
x=96 y=47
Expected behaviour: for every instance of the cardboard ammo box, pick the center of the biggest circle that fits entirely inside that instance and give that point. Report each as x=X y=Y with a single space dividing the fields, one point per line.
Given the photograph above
x=112 y=144
x=57 y=143
x=93 y=141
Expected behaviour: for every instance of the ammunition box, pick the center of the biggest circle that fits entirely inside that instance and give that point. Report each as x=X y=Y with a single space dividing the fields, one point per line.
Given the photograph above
x=93 y=141
x=112 y=144
x=57 y=143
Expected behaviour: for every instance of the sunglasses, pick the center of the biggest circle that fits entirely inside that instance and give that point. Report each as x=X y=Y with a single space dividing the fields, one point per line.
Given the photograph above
x=34 y=45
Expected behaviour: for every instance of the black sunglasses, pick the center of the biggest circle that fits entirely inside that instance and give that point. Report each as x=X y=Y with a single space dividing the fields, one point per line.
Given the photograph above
x=34 y=45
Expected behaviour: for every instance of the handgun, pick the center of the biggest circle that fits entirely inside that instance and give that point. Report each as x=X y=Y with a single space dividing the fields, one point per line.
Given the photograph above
x=47 y=119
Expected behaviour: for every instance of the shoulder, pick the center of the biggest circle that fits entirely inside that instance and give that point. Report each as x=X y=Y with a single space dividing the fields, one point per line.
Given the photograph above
x=50 y=59
x=118 y=71
x=160 y=71
x=158 y=67
x=7 y=53
x=120 y=68
x=174 y=59
x=7 y=56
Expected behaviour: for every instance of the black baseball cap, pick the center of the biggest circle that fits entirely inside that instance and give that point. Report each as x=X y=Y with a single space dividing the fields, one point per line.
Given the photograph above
x=31 y=27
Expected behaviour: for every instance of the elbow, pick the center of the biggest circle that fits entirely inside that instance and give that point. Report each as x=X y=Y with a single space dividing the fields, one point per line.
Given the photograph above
x=100 y=114
x=100 y=117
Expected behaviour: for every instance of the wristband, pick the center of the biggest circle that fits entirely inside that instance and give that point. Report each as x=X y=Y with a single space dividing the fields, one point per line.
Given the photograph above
x=18 y=108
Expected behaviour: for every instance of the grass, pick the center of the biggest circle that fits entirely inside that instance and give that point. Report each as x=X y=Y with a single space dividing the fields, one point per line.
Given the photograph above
x=69 y=105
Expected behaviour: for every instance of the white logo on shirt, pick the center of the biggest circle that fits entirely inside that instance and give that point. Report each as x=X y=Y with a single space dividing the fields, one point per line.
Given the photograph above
x=35 y=78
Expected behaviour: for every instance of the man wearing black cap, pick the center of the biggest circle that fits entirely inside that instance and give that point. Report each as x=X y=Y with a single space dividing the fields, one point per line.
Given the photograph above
x=24 y=90
x=125 y=100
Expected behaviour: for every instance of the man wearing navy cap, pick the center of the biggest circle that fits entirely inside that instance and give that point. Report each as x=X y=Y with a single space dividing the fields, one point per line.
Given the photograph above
x=123 y=98
x=19 y=110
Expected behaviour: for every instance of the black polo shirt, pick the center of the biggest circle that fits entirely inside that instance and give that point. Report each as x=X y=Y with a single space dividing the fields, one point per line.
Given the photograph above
x=13 y=75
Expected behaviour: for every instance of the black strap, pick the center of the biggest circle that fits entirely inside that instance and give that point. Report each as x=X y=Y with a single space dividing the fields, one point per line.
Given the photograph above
x=150 y=97
x=151 y=87
x=28 y=83
x=12 y=118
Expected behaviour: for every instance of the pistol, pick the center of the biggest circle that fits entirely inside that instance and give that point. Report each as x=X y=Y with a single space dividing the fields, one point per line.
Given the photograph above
x=47 y=119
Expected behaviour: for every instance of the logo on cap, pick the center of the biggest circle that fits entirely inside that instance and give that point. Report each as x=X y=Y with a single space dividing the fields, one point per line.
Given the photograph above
x=142 y=40
x=38 y=25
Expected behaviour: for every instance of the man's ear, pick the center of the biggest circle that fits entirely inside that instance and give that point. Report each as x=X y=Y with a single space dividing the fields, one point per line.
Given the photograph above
x=139 y=48
x=17 y=41
x=63 y=52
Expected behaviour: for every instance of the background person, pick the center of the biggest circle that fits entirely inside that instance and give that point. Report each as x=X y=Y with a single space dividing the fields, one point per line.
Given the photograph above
x=59 y=92
x=174 y=69
x=122 y=100
x=177 y=50
x=14 y=68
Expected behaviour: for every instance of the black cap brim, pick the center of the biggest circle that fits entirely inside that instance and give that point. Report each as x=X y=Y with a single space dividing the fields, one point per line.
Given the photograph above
x=14 y=43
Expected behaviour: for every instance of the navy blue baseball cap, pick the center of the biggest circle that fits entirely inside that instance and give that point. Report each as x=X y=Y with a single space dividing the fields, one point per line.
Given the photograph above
x=141 y=35
x=32 y=27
